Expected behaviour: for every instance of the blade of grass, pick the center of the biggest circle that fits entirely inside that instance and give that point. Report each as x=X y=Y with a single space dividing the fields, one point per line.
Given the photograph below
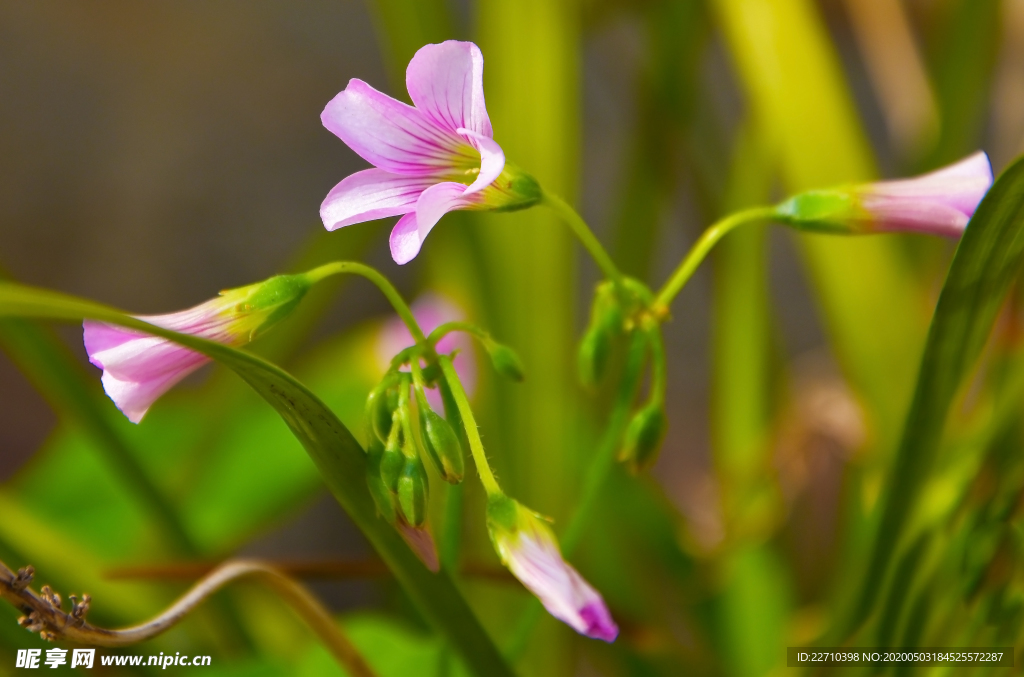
x=986 y=262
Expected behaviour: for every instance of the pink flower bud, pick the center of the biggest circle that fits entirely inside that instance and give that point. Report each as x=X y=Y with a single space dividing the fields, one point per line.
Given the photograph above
x=138 y=368
x=939 y=203
x=529 y=549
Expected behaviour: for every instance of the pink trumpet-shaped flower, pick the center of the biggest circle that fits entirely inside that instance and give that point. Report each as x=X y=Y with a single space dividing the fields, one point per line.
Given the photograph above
x=939 y=203
x=429 y=159
x=529 y=549
x=138 y=368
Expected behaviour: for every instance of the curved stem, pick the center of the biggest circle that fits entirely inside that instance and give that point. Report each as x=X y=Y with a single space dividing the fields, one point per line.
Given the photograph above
x=476 y=445
x=45 y=616
x=585 y=235
x=699 y=251
x=448 y=327
x=371 y=274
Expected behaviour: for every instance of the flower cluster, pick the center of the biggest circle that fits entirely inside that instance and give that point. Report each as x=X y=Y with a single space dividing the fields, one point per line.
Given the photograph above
x=440 y=155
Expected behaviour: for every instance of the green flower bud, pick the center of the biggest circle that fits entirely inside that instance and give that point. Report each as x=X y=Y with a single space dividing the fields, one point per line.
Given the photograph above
x=596 y=347
x=412 y=492
x=381 y=405
x=505 y=360
x=643 y=437
x=383 y=497
x=442 y=444
x=393 y=459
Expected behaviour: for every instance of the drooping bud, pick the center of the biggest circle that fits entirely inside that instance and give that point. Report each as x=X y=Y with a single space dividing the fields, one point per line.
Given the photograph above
x=505 y=360
x=383 y=497
x=393 y=460
x=381 y=405
x=412 y=492
x=442 y=445
x=939 y=203
x=529 y=549
x=605 y=324
x=138 y=367
x=644 y=436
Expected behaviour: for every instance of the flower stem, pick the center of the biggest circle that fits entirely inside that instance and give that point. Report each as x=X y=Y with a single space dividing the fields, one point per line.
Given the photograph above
x=585 y=235
x=700 y=250
x=448 y=327
x=388 y=289
x=43 y=614
x=476 y=445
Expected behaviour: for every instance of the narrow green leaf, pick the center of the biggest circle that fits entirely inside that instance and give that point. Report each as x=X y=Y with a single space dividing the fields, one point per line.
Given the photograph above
x=985 y=264
x=336 y=453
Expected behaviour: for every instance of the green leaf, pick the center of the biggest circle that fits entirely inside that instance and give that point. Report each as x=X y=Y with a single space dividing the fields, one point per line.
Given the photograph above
x=986 y=262
x=336 y=453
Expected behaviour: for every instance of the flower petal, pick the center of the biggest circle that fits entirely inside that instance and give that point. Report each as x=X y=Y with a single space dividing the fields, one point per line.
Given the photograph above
x=535 y=560
x=391 y=135
x=437 y=201
x=446 y=82
x=371 y=194
x=960 y=186
x=492 y=159
x=890 y=214
x=405 y=239
x=137 y=368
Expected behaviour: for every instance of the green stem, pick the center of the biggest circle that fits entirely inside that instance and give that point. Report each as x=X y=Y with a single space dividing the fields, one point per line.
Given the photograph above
x=476 y=445
x=585 y=235
x=593 y=482
x=448 y=327
x=388 y=289
x=700 y=250
x=658 y=366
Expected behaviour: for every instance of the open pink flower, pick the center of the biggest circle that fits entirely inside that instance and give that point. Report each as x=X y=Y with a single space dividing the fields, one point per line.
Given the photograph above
x=429 y=159
x=138 y=368
x=529 y=549
x=939 y=203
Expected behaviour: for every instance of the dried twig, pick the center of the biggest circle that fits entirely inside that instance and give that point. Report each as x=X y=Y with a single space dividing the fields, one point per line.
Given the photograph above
x=43 y=612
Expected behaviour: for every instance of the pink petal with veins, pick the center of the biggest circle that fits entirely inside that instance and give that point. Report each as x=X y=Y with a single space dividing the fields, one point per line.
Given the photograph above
x=445 y=81
x=371 y=194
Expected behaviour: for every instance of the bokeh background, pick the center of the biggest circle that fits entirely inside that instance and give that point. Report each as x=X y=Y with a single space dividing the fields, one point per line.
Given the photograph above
x=154 y=153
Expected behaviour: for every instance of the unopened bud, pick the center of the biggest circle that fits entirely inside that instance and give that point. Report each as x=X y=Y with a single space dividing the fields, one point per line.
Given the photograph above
x=412 y=492
x=383 y=497
x=393 y=459
x=643 y=437
x=505 y=360
x=596 y=346
x=381 y=405
x=442 y=444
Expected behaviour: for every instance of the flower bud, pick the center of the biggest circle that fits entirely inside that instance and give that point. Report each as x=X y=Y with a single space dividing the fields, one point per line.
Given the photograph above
x=383 y=497
x=381 y=405
x=442 y=445
x=939 y=203
x=529 y=549
x=412 y=492
x=596 y=347
x=505 y=360
x=643 y=437
x=392 y=460
x=138 y=367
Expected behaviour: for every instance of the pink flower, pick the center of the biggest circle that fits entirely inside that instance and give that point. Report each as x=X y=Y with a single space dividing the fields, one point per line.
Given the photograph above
x=939 y=203
x=431 y=311
x=528 y=548
x=138 y=368
x=429 y=159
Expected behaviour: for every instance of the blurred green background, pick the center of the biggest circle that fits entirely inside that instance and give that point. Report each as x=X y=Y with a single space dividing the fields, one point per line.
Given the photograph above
x=154 y=153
